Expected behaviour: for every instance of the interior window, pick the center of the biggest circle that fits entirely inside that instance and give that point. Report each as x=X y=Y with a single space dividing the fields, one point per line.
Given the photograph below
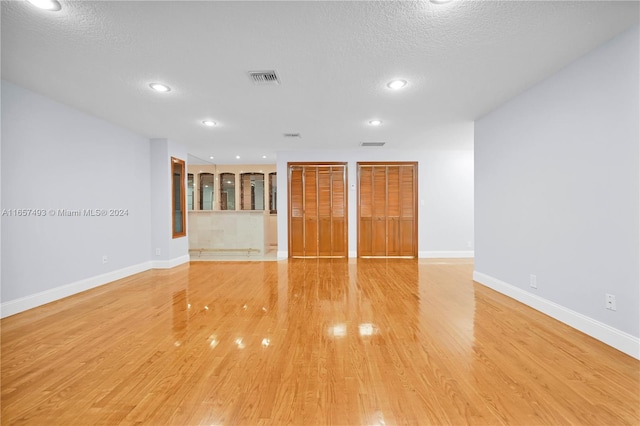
x=273 y=193
x=227 y=191
x=207 y=191
x=178 y=198
x=252 y=190
x=190 y=191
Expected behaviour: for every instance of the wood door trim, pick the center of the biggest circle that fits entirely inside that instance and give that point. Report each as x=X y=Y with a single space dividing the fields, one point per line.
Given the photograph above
x=310 y=163
x=387 y=163
x=414 y=164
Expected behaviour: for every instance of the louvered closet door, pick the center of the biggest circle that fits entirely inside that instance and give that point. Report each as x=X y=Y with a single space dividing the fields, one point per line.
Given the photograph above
x=296 y=212
x=408 y=182
x=387 y=209
x=339 y=245
x=317 y=199
x=310 y=180
x=324 y=211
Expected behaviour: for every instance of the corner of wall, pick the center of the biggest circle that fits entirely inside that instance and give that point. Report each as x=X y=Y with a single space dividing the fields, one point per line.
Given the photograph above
x=172 y=263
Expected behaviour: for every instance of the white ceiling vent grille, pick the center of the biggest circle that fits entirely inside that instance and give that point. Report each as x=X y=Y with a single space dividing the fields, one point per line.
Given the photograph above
x=264 y=78
x=372 y=143
x=291 y=135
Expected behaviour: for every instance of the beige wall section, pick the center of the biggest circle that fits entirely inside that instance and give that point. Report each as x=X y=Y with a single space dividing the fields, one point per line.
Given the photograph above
x=271 y=223
x=240 y=232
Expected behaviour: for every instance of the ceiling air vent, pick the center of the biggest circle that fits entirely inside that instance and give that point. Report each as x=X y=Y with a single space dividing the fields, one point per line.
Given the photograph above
x=264 y=78
x=372 y=143
x=292 y=135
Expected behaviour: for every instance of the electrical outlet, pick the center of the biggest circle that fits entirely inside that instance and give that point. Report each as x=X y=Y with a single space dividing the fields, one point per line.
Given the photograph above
x=157 y=252
x=105 y=259
x=533 y=282
x=610 y=302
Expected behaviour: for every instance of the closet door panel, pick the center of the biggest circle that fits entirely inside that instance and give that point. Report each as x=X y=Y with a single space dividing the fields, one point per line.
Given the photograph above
x=379 y=191
x=393 y=236
x=393 y=191
x=379 y=237
x=366 y=240
x=311 y=236
x=407 y=242
x=365 y=211
x=324 y=236
x=407 y=187
x=339 y=211
x=338 y=237
x=408 y=179
x=393 y=211
x=338 y=193
x=310 y=212
x=297 y=236
x=324 y=211
x=296 y=215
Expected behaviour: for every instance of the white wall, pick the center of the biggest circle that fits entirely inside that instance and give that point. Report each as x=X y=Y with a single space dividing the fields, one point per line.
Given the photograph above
x=445 y=192
x=173 y=251
x=557 y=194
x=55 y=157
x=58 y=158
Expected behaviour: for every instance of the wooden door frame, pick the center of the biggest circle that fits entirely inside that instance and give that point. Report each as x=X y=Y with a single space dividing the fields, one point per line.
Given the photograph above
x=291 y=164
x=415 y=198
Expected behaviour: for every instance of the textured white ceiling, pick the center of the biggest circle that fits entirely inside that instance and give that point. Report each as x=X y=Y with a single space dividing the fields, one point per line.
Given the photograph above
x=462 y=59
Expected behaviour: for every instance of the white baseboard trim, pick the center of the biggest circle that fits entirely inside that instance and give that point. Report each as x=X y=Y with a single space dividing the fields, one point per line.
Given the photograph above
x=620 y=340
x=353 y=253
x=282 y=254
x=22 y=304
x=458 y=254
x=171 y=263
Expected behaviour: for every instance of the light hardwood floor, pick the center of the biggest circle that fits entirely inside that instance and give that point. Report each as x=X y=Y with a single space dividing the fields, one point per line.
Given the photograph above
x=304 y=342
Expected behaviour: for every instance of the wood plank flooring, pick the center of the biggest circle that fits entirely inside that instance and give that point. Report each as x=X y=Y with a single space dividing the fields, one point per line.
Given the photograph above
x=306 y=342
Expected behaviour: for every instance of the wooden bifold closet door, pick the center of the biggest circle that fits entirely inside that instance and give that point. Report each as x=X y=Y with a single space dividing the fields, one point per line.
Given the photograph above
x=387 y=210
x=317 y=210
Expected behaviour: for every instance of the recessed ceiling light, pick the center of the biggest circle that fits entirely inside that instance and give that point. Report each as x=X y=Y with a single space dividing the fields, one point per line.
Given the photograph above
x=264 y=156
x=211 y=157
x=396 y=84
x=209 y=123
x=159 y=87
x=52 y=5
x=375 y=122
x=237 y=157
